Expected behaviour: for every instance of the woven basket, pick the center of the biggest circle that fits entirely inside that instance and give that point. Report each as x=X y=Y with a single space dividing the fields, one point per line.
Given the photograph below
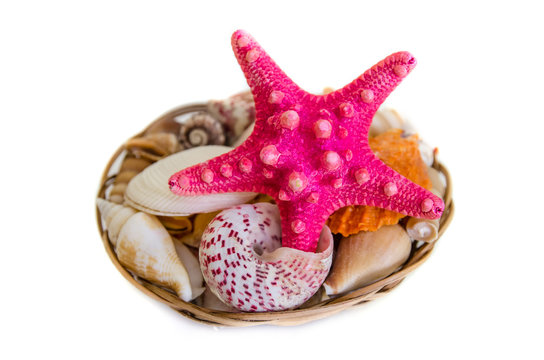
x=420 y=253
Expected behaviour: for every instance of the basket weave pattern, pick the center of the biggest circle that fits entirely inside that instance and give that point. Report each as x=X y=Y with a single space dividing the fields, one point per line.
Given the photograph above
x=419 y=254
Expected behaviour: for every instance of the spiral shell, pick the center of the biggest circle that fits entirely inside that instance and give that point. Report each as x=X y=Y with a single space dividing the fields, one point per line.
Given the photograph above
x=201 y=129
x=244 y=264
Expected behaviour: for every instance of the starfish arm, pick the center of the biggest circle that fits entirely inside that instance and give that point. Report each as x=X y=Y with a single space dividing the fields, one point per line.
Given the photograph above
x=269 y=84
x=301 y=225
x=369 y=91
x=389 y=190
x=230 y=172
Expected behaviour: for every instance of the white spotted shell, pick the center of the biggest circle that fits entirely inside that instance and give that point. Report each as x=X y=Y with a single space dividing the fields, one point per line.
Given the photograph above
x=244 y=264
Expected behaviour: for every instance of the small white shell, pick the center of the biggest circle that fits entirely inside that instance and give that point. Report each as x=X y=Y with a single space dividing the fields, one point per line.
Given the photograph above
x=149 y=190
x=145 y=248
x=422 y=229
x=244 y=264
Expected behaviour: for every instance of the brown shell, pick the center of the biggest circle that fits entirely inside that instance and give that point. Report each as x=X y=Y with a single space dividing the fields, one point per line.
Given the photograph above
x=201 y=129
x=153 y=146
x=402 y=155
x=130 y=167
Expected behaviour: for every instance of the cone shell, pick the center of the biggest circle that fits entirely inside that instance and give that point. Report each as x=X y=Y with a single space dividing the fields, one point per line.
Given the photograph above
x=245 y=266
x=402 y=155
x=149 y=190
x=145 y=248
x=367 y=257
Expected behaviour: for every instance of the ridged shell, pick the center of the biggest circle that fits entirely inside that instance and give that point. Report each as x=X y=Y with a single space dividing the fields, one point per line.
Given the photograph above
x=153 y=146
x=144 y=247
x=244 y=264
x=130 y=167
x=402 y=155
x=149 y=190
x=367 y=257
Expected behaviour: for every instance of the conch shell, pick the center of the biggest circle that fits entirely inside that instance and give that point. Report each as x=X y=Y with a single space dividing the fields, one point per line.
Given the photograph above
x=145 y=248
x=149 y=190
x=402 y=155
x=244 y=264
x=367 y=257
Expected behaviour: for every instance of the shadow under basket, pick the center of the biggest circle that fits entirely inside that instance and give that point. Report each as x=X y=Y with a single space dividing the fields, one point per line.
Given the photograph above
x=419 y=254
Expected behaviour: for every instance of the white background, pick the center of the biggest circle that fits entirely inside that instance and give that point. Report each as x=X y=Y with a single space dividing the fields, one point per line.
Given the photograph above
x=78 y=78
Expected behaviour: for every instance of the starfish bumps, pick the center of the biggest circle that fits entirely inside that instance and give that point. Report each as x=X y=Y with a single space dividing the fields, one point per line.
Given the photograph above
x=310 y=152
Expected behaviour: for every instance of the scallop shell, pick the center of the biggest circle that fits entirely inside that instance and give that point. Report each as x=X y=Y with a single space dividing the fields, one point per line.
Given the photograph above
x=245 y=266
x=201 y=129
x=149 y=190
x=367 y=257
x=145 y=248
x=402 y=155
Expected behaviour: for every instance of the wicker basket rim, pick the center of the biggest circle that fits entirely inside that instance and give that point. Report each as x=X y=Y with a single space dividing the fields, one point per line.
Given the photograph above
x=286 y=317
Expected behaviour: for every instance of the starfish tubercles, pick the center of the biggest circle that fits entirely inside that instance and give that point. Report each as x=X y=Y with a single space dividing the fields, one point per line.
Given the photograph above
x=310 y=152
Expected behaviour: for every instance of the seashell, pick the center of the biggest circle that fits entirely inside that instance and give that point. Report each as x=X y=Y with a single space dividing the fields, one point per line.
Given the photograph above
x=176 y=225
x=210 y=301
x=245 y=266
x=190 y=262
x=200 y=223
x=367 y=257
x=153 y=146
x=243 y=137
x=439 y=182
x=201 y=129
x=149 y=190
x=145 y=248
x=422 y=229
x=387 y=119
x=236 y=113
x=130 y=167
x=402 y=155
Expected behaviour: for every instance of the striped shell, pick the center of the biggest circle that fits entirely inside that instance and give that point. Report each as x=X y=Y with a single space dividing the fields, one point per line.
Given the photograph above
x=244 y=264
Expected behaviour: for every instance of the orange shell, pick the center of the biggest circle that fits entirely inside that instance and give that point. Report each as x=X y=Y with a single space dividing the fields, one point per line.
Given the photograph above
x=402 y=155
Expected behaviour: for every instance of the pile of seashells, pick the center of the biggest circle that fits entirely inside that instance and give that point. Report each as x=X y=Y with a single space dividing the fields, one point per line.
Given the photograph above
x=173 y=243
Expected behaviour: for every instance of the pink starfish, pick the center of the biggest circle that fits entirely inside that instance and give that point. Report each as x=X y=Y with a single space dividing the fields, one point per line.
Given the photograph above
x=310 y=152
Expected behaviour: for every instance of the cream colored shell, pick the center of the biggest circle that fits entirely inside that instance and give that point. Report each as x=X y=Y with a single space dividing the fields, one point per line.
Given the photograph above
x=149 y=190
x=145 y=248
